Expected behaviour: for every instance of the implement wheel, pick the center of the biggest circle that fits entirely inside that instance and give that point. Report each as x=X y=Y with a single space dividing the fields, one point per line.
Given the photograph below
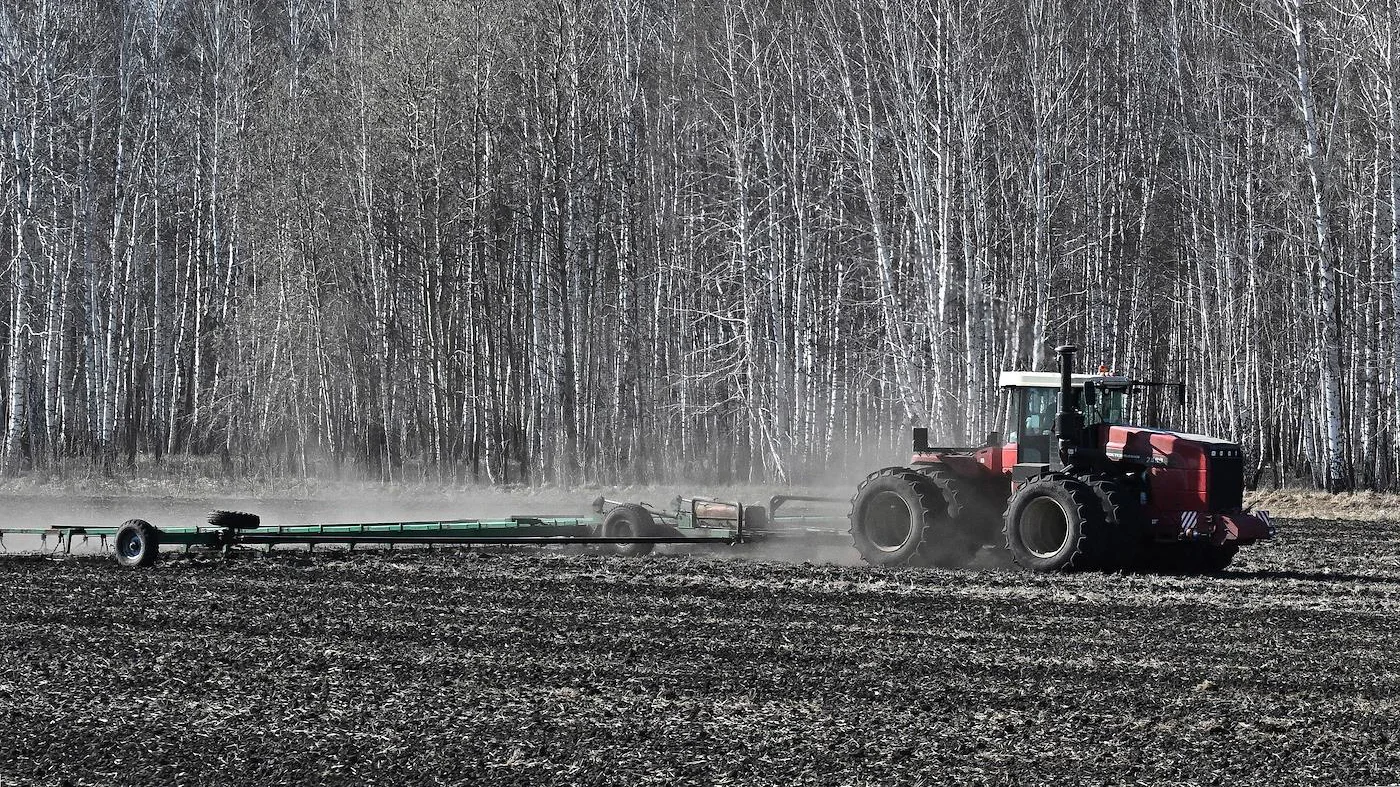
x=238 y=520
x=1053 y=524
x=137 y=544
x=900 y=518
x=630 y=520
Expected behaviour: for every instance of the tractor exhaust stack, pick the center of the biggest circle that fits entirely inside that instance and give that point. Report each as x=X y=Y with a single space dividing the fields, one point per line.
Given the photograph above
x=1069 y=423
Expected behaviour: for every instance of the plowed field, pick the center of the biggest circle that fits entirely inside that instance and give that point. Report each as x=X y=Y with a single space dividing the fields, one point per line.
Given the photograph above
x=534 y=667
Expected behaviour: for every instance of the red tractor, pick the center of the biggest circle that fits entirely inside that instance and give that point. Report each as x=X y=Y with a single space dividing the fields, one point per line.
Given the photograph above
x=1072 y=487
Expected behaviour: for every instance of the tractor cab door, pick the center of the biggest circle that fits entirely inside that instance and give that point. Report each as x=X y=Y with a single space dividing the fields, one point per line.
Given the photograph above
x=1031 y=423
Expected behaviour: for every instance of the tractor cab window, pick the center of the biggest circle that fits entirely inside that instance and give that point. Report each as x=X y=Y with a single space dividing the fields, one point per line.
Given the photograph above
x=1111 y=407
x=1039 y=415
x=1031 y=417
x=1032 y=413
x=1032 y=420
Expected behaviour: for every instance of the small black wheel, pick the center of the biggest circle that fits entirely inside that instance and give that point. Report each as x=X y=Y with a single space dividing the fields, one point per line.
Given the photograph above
x=630 y=520
x=137 y=544
x=238 y=520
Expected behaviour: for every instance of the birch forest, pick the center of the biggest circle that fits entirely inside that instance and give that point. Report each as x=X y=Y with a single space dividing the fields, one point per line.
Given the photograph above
x=560 y=241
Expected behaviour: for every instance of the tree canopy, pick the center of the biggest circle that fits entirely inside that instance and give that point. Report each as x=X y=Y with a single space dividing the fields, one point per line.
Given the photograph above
x=556 y=241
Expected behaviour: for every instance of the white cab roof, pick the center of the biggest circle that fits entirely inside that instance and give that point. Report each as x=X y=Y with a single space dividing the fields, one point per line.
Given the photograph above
x=1050 y=379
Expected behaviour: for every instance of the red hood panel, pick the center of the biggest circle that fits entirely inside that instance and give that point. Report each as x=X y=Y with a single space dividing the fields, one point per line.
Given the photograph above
x=1179 y=467
x=1160 y=448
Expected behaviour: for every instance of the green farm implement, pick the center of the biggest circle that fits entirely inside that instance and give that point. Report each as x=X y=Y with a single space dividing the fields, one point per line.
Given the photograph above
x=630 y=529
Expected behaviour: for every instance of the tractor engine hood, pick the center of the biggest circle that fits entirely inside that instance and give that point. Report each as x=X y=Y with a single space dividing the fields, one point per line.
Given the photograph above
x=1185 y=472
x=1160 y=448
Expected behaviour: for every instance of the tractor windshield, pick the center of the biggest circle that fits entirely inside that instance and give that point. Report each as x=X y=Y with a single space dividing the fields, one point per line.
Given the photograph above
x=1110 y=407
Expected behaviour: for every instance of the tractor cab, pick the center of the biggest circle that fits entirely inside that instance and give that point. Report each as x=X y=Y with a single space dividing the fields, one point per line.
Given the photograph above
x=1034 y=401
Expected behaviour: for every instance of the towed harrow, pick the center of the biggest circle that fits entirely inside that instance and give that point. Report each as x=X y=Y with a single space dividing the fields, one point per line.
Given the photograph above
x=630 y=529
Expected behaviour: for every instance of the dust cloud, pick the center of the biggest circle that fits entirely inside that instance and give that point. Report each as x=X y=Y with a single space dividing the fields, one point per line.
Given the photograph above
x=826 y=541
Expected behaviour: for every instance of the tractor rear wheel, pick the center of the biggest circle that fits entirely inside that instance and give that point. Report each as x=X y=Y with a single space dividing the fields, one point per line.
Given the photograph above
x=975 y=517
x=900 y=518
x=1053 y=523
x=137 y=544
x=630 y=520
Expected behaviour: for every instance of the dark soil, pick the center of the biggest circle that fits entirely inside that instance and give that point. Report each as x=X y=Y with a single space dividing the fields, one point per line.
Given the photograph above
x=544 y=668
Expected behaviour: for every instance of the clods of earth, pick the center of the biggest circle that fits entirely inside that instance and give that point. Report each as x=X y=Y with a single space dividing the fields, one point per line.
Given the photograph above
x=539 y=667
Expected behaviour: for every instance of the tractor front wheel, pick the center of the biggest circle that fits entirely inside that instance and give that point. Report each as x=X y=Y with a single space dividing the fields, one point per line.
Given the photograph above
x=1213 y=559
x=1125 y=525
x=1052 y=523
x=1191 y=558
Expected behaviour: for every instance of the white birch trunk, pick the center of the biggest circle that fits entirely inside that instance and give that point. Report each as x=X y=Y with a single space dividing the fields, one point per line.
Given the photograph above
x=1329 y=350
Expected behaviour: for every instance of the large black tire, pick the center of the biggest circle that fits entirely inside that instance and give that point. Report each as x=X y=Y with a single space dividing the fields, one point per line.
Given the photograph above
x=137 y=544
x=1053 y=523
x=899 y=518
x=238 y=520
x=1125 y=526
x=1214 y=559
x=975 y=516
x=630 y=520
x=1190 y=558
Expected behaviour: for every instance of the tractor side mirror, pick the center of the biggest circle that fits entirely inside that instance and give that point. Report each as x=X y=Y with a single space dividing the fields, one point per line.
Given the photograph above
x=993 y=440
x=920 y=439
x=1091 y=394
